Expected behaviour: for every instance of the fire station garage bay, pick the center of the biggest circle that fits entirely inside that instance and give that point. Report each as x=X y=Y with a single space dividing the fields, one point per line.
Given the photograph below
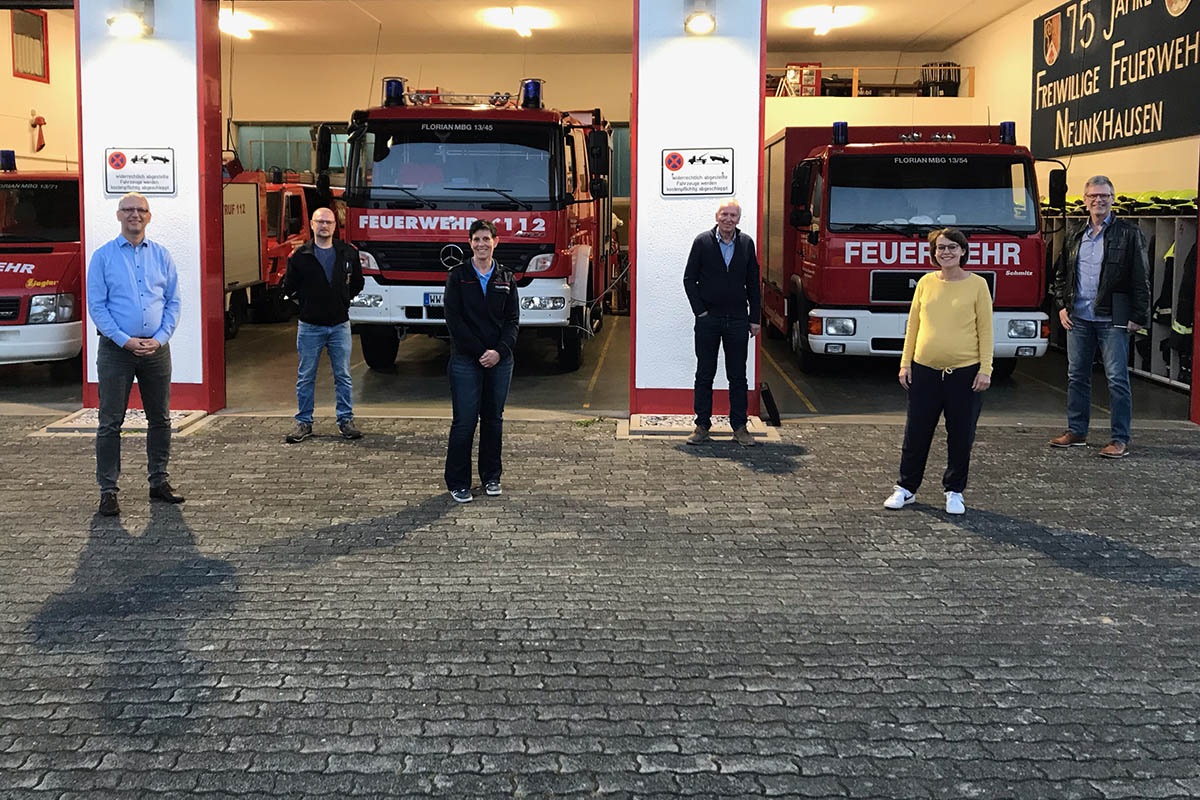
x=877 y=122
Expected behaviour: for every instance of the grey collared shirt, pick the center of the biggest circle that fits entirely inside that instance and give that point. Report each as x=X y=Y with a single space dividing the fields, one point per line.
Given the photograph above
x=727 y=247
x=1087 y=273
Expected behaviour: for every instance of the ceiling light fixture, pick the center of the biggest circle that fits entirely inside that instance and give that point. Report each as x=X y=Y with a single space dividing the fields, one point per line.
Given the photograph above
x=823 y=19
x=522 y=19
x=240 y=24
x=700 y=19
x=136 y=18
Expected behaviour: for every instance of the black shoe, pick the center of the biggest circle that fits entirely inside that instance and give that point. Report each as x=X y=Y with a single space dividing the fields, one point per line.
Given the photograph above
x=299 y=433
x=165 y=493
x=109 y=507
x=348 y=430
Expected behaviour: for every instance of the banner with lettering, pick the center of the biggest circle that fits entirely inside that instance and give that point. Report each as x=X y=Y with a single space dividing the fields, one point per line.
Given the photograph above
x=1115 y=73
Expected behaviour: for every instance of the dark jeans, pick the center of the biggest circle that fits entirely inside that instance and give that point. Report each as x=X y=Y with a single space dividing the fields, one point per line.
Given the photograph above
x=733 y=334
x=478 y=395
x=116 y=368
x=934 y=393
x=1082 y=340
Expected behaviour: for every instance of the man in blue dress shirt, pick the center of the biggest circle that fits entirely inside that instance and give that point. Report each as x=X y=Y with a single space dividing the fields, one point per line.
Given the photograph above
x=133 y=299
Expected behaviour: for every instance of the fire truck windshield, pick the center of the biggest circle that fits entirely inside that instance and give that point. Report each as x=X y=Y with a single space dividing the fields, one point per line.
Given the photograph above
x=965 y=191
x=39 y=211
x=456 y=163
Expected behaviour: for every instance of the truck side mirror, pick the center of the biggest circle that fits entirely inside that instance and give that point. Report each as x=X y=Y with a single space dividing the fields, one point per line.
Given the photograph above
x=800 y=178
x=800 y=218
x=599 y=188
x=1058 y=188
x=598 y=152
x=324 y=146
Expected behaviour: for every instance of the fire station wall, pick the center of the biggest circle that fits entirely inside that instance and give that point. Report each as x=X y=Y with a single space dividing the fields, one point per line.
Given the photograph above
x=55 y=99
x=1003 y=55
x=269 y=88
x=692 y=92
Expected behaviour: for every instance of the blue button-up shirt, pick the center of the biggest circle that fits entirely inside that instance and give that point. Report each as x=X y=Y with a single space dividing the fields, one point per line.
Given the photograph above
x=1087 y=273
x=133 y=291
x=727 y=248
x=484 y=277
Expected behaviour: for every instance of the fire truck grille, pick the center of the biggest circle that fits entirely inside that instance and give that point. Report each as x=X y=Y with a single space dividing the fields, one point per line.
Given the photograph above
x=429 y=256
x=897 y=286
x=10 y=308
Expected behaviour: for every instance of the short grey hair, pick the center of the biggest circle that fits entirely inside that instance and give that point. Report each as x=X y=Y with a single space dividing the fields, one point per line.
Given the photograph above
x=1097 y=180
x=138 y=195
x=730 y=201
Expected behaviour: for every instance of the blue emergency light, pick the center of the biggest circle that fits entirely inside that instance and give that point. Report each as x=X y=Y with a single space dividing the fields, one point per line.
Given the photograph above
x=393 y=91
x=1008 y=133
x=841 y=133
x=531 y=92
x=8 y=160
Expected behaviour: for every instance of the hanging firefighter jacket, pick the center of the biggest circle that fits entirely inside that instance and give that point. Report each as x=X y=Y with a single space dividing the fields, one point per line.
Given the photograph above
x=1185 y=316
x=1162 y=304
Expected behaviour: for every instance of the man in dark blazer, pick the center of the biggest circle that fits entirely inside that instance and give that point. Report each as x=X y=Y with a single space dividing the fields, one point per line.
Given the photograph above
x=722 y=285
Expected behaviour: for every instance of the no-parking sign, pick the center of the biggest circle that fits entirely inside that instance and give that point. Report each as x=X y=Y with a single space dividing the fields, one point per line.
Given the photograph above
x=149 y=170
x=693 y=171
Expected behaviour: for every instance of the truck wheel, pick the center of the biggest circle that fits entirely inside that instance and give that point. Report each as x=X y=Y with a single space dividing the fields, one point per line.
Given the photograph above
x=570 y=346
x=1002 y=368
x=769 y=330
x=379 y=346
x=806 y=359
x=232 y=324
x=273 y=307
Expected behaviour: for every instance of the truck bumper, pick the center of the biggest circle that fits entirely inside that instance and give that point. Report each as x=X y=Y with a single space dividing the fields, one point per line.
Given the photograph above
x=882 y=333
x=377 y=304
x=50 y=342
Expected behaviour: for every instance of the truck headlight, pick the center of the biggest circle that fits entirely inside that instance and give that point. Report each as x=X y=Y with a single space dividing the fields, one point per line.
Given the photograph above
x=367 y=261
x=839 y=326
x=46 y=308
x=1022 y=329
x=540 y=263
x=543 y=303
x=367 y=301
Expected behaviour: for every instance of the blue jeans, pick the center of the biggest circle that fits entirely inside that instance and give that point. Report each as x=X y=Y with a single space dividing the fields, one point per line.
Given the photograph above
x=116 y=368
x=478 y=395
x=732 y=333
x=309 y=341
x=1082 y=340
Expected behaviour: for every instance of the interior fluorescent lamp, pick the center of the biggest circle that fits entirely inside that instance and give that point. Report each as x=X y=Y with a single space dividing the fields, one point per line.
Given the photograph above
x=701 y=19
x=136 y=18
x=522 y=19
x=239 y=24
x=823 y=19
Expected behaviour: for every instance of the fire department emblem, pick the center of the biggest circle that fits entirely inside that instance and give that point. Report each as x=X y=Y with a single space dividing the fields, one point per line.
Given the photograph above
x=451 y=256
x=1051 y=39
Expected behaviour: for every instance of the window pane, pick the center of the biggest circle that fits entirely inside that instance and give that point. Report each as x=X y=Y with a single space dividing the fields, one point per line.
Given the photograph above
x=620 y=160
x=29 y=45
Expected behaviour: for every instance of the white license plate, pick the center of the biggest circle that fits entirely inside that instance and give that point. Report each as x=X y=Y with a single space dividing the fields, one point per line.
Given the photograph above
x=433 y=298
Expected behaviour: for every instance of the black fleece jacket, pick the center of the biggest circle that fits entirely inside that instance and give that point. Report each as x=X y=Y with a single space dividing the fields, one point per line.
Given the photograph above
x=478 y=323
x=320 y=303
x=723 y=291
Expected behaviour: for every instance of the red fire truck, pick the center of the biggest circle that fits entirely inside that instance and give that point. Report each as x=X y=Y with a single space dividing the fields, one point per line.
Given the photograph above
x=847 y=213
x=421 y=169
x=40 y=270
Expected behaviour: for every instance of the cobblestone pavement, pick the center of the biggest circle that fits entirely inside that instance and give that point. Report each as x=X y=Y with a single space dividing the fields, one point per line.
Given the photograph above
x=631 y=619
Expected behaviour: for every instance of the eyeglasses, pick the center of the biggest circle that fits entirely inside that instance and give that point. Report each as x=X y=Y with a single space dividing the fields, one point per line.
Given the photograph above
x=134 y=210
x=1097 y=197
x=947 y=248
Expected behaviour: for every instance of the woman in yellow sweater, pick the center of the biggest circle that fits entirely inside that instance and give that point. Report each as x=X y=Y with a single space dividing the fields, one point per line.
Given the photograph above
x=947 y=363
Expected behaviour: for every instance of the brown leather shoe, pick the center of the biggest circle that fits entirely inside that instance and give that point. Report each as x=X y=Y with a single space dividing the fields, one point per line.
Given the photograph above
x=1069 y=439
x=743 y=437
x=1115 y=450
x=699 y=436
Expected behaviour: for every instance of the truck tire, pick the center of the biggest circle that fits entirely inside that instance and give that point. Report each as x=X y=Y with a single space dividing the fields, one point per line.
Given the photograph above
x=806 y=359
x=570 y=344
x=379 y=346
x=769 y=330
x=1002 y=368
x=232 y=325
x=236 y=314
x=272 y=306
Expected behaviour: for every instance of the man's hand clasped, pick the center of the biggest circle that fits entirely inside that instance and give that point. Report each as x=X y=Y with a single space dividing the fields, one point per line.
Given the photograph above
x=489 y=359
x=142 y=347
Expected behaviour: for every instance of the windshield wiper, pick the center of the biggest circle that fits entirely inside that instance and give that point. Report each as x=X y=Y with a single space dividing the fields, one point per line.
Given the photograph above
x=502 y=192
x=424 y=203
x=966 y=226
x=881 y=227
x=23 y=237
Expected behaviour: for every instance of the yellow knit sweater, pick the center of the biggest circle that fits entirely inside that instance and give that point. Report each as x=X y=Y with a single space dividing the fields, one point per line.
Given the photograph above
x=950 y=324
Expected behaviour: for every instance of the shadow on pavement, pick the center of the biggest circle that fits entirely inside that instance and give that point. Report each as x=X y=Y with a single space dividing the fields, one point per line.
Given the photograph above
x=1087 y=553
x=771 y=458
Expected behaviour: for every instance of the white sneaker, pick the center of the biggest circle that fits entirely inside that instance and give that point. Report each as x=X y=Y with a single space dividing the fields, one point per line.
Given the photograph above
x=899 y=499
x=954 y=503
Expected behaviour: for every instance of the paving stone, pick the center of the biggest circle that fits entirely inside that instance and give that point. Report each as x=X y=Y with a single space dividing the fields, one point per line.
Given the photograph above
x=631 y=619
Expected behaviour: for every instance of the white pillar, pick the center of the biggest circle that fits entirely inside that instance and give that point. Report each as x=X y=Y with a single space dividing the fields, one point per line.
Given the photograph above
x=159 y=95
x=700 y=93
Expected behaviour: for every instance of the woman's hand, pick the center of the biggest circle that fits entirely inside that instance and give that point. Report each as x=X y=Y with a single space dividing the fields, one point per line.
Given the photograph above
x=906 y=377
x=982 y=382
